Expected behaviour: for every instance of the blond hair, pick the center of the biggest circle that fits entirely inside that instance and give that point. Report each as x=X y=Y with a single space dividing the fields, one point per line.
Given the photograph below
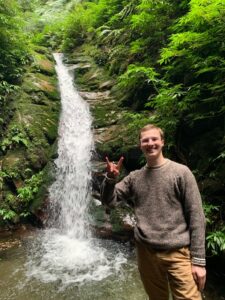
x=149 y=127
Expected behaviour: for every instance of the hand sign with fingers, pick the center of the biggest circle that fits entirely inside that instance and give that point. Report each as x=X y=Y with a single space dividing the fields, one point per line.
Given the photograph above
x=113 y=169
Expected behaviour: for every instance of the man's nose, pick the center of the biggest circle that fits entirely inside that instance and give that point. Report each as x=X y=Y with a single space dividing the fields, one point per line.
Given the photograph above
x=150 y=142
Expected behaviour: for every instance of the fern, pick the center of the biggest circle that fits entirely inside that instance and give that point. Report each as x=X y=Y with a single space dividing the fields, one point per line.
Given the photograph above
x=7 y=214
x=215 y=241
x=136 y=73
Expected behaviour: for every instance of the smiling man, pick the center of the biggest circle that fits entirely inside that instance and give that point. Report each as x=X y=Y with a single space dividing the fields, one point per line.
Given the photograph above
x=170 y=224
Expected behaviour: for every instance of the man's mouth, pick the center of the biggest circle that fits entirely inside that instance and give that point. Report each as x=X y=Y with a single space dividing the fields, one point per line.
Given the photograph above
x=151 y=150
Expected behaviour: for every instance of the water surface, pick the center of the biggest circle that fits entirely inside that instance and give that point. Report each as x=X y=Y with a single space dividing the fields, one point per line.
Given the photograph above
x=17 y=282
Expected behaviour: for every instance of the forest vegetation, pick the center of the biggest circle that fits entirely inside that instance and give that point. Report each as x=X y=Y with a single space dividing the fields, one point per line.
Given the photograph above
x=167 y=62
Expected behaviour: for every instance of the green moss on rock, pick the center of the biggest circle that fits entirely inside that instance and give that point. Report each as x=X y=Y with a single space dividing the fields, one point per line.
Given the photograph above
x=29 y=141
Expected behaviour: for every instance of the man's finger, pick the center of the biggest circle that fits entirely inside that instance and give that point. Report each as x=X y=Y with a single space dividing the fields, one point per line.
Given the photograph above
x=195 y=277
x=120 y=162
x=201 y=283
x=107 y=160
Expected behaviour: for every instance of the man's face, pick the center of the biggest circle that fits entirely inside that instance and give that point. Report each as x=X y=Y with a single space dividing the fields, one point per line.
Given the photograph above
x=151 y=143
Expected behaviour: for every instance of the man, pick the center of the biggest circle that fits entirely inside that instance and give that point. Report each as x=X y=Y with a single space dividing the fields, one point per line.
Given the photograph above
x=170 y=224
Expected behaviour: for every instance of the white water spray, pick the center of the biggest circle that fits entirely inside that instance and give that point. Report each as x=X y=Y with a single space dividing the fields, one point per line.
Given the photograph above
x=67 y=251
x=70 y=193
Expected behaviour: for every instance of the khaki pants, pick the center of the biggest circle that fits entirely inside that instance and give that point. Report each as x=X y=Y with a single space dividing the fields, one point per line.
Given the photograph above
x=164 y=270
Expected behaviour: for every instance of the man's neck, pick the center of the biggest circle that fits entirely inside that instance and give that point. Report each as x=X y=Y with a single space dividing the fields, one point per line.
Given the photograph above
x=156 y=162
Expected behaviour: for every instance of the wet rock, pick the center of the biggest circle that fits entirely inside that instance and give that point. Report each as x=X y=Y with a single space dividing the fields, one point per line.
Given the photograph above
x=80 y=69
x=106 y=85
x=46 y=67
x=14 y=164
x=76 y=59
x=102 y=135
x=128 y=222
x=9 y=244
x=42 y=64
x=95 y=97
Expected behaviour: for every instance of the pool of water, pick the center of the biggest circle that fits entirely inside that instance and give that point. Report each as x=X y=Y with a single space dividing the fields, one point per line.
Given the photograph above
x=18 y=282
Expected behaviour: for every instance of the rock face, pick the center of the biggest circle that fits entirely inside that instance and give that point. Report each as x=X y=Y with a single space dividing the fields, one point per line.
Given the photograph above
x=29 y=144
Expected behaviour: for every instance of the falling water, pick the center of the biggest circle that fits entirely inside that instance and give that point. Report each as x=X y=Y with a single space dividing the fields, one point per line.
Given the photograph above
x=70 y=193
x=66 y=251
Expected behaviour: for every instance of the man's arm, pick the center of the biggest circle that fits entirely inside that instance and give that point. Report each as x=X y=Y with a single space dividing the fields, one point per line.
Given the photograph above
x=194 y=217
x=196 y=222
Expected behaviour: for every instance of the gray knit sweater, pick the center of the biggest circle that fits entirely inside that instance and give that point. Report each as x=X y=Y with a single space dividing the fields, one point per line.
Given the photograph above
x=167 y=207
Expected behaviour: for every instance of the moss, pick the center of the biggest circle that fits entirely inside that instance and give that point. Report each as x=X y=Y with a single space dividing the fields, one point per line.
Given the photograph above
x=14 y=164
x=34 y=83
x=90 y=72
x=30 y=137
x=104 y=115
x=112 y=148
x=37 y=157
x=46 y=66
x=12 y=203
x=43 y=62
x=97 y=213
x=117 y=216
x=37 y=49
x=48 y=178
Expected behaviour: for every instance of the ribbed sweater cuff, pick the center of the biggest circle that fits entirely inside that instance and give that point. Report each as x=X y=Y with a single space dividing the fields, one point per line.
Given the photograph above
x=198 y=261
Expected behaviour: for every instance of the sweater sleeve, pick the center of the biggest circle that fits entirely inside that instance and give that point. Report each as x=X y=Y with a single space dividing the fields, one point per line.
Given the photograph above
x=195 y=217
x=113 y=193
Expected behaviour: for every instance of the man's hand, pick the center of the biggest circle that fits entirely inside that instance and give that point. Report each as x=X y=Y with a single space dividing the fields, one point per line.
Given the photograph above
x=199 y=274
x=113 y=169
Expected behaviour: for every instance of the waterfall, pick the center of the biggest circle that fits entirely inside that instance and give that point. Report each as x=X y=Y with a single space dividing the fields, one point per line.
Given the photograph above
x=66 y=251
x=70 y=193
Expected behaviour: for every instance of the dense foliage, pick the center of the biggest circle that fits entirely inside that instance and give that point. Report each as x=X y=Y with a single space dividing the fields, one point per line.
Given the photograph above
x=13 y=49
x=13 y=53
